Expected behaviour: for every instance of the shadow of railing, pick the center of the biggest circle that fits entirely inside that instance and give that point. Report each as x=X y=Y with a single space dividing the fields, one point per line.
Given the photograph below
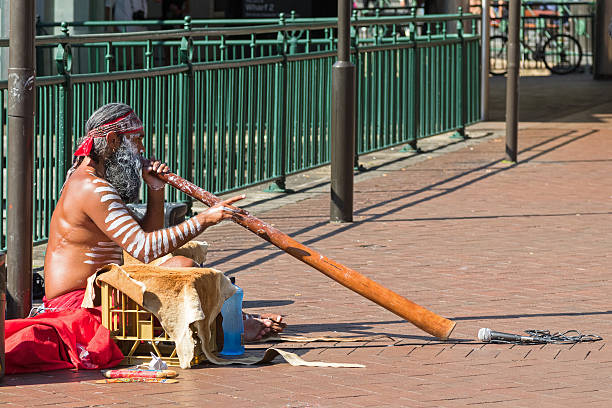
x=345 y=227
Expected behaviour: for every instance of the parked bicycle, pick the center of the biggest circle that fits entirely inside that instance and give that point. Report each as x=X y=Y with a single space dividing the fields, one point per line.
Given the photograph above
x=561 y=53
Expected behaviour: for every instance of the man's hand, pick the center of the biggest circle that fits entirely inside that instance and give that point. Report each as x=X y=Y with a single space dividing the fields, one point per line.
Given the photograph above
x=148 y=176
x=223 y=210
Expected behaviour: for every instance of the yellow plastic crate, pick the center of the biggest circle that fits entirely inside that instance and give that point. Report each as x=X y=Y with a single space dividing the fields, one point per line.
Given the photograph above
x=138 y=333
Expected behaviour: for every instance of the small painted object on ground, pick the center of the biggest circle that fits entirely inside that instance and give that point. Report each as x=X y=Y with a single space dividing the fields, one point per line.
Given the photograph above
x=137 y=380
x=127 y=373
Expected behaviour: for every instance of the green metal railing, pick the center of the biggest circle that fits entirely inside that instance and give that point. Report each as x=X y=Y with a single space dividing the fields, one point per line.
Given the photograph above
x=241 y=116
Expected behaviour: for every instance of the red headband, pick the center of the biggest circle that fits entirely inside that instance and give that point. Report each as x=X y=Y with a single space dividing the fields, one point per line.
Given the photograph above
x=128 y=123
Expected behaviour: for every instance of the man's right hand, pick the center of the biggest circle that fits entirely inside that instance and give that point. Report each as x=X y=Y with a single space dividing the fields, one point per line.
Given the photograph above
x=223 y=210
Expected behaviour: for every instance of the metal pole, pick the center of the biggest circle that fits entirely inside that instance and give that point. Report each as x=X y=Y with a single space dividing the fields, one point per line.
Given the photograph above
x=21 y=94
x=514 y=18
x=343 y=122
x=485 y=33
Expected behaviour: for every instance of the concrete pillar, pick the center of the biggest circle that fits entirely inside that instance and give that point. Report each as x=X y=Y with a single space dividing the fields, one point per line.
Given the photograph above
x=603 y=43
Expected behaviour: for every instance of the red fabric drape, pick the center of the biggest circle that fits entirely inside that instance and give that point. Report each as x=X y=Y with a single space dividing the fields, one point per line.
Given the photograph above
x=69 y=338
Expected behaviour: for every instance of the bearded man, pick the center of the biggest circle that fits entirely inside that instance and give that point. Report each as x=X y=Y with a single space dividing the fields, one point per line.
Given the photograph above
x=92 y=226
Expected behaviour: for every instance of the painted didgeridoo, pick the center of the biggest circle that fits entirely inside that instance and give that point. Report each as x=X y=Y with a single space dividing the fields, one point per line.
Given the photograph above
x=419 y=316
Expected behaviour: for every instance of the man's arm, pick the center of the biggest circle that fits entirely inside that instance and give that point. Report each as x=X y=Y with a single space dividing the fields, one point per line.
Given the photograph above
x=110 y=214
x=154 y=218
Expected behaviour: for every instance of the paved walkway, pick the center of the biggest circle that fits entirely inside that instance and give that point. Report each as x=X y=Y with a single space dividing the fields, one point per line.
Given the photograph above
x=455 y=229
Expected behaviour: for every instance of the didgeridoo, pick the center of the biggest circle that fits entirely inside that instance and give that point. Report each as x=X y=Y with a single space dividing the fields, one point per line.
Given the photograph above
x=419 y=316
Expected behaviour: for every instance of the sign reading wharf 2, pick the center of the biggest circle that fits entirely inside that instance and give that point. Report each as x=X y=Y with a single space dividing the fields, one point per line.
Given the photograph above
x=260 y=8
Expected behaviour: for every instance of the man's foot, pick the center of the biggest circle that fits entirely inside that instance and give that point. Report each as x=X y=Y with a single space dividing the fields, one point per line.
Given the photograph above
x=257 y=327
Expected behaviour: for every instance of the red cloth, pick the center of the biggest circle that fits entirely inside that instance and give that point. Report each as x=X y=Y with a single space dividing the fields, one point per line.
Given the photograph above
x=70 y=300
x=70 y=338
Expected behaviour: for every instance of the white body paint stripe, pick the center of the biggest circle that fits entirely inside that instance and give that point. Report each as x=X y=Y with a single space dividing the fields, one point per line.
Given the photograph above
x=154 y=244
x=165 y=237
x=171 y=230
x=105 y=249
x=122 y=229
x=137 y=242
x=99 y=180
x=146 y=248
x=119 y=221
x=159 y=242
x=191 y=226
x=102 y=189
x=115 y=205
x=129 y=233
x=110 y=197
x=115 y=214
x=104 y=261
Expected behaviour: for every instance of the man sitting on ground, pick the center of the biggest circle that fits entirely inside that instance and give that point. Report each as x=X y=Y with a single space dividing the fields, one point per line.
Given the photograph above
x=92 y=226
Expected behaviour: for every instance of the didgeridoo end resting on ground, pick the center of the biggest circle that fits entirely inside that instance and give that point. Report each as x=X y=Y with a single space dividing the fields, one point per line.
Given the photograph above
x=421 y=317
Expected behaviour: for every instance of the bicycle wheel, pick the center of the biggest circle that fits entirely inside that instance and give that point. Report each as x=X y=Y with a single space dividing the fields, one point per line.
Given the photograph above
x=562 y=54
x=498 y=56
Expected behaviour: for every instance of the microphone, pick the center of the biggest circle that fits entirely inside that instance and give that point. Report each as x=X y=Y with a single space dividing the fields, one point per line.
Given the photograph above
x=488 y=335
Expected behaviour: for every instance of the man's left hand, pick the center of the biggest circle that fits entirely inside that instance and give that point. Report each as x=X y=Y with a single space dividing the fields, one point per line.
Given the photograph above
x=148 y=176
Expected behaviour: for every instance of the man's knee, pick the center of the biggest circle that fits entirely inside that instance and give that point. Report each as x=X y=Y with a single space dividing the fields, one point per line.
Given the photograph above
x=180 y=262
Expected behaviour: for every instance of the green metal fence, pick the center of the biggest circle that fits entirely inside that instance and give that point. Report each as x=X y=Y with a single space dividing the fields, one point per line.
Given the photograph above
x=243 y=115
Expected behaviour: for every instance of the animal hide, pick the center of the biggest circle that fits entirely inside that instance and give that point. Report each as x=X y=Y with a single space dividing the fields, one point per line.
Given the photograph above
x=181 y=298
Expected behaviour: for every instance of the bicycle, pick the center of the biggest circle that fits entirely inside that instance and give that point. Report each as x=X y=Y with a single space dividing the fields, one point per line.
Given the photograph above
x=561 y=53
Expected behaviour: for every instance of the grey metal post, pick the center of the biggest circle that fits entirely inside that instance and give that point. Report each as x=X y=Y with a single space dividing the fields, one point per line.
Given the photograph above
x=21 y=95
x=514 y=18
x=343 y=122
x=485 y=33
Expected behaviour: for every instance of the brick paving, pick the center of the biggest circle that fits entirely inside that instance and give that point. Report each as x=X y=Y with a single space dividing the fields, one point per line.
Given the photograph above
x=455 y=229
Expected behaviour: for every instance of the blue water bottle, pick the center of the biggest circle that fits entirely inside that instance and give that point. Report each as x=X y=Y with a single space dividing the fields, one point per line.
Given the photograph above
x=233 y=327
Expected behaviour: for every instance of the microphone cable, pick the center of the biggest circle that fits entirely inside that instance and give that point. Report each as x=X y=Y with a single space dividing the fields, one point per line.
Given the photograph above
x=545 y=337
x=567 y=337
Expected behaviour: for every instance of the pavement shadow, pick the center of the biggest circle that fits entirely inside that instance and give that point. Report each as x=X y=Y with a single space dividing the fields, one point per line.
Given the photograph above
x=249 y=304
x=362 y=169
x=517 y=316
x=50 y=377
x=494 y=168
x=362 y=329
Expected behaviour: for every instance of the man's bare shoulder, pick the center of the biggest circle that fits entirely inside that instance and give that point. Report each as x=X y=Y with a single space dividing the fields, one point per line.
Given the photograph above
x=85 y=181
x=86 y=193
